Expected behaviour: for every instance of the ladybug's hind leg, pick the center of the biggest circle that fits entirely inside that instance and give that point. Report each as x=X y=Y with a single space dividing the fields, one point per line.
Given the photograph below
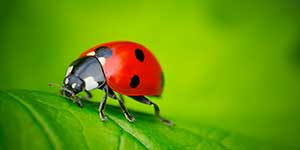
x=145 y=100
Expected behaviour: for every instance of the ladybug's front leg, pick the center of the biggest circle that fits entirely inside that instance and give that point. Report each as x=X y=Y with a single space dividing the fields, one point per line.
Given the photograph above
x=88 y=95
x=77 y=100
x=102 y=105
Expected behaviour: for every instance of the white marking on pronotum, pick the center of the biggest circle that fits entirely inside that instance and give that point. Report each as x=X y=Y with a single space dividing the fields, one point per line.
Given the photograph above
x=67 y=81
x=102 y=60
x=69 y=70
x=74 y=85
x=90 y=83
x=92 y=53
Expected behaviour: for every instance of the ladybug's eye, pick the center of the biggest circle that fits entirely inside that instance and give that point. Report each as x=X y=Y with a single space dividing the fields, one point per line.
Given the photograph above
x=103 y=51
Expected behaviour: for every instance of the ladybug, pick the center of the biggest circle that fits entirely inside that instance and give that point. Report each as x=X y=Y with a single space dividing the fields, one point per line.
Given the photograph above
x=122 y=67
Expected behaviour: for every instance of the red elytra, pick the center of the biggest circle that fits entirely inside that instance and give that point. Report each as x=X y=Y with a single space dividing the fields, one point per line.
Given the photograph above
x=124 y=64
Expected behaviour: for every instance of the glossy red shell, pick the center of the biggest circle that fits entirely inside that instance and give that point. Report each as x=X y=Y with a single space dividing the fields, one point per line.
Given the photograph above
x=123 y=65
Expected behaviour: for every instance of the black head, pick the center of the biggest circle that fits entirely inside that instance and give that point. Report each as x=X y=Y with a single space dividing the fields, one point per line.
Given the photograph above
x=83 y=74
x=72 y=86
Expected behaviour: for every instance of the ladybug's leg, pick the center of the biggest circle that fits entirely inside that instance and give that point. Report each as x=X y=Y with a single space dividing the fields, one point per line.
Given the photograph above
x=102 y=105
x=88 y=94
x=112 y=95
x=145 y=100
x=78 y=101
x=124 y=109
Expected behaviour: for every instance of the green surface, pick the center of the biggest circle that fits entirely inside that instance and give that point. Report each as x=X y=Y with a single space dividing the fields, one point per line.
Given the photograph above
x=56 y=123
x=234 y=65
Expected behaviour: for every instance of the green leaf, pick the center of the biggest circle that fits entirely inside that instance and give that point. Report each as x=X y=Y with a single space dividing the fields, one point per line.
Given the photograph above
x=39 y=120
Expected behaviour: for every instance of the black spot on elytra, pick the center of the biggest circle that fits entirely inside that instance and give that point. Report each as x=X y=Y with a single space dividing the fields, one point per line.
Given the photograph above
x=135 y=81
x=139 y=55
x=103 y=51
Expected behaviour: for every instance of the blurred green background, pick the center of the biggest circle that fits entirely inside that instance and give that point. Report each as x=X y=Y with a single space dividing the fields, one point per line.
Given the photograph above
x=229 y=64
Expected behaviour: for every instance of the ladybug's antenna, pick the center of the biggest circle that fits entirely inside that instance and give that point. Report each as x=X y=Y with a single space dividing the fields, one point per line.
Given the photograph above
x=61 y=87
x=54 y=84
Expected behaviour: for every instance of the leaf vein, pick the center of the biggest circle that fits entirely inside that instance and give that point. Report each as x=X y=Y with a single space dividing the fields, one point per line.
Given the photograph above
x=48 y=131
x=123 y=129
x=211 y=139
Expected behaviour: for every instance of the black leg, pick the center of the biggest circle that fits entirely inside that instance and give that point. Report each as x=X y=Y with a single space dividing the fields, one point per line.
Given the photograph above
x=120 y=99
x=102 y=105
x=145 y=100
x=77 y=100
x=124 y=109
x=88 y=94
x=111 y=94
x=79 y=103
